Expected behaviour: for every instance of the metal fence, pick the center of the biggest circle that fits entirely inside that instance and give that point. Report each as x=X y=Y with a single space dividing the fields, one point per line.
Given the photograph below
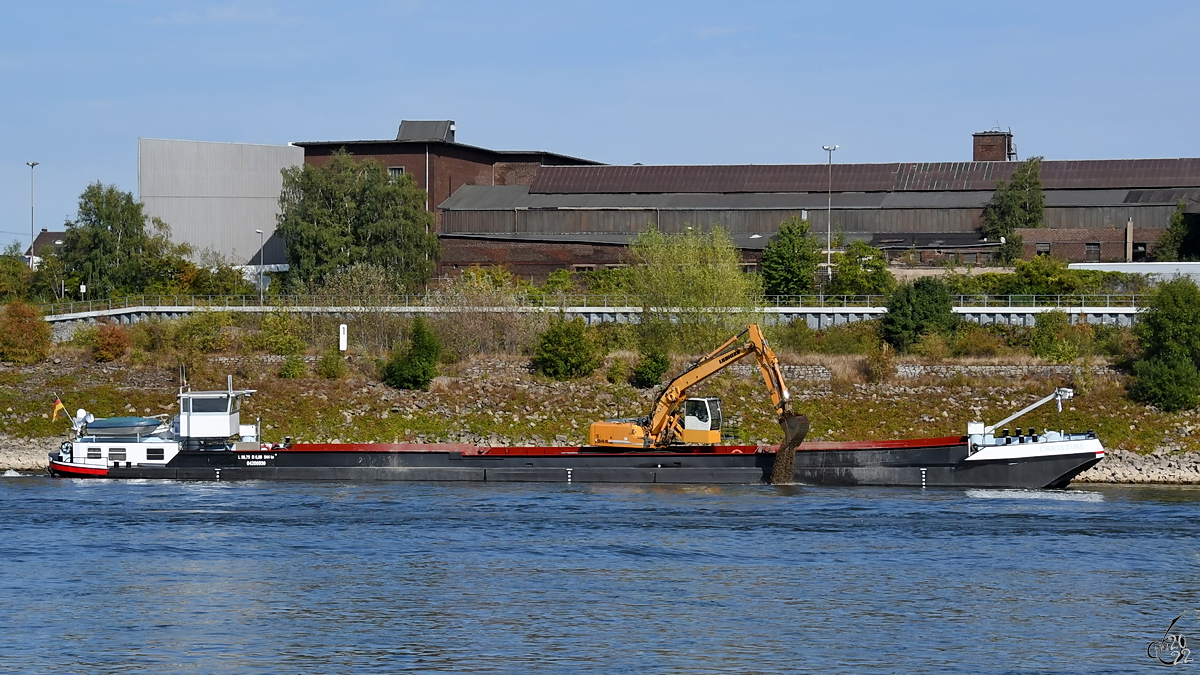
x=564 y=300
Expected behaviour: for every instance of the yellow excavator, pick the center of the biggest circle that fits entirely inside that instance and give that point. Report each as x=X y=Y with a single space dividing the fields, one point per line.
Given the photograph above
x=679 y=420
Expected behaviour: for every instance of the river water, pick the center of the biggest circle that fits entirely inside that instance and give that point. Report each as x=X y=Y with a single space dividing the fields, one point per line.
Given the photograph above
x=158 y=577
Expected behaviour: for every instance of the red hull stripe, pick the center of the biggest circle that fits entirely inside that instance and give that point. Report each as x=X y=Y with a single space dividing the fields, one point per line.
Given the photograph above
x=67 y=469
x=883 y=445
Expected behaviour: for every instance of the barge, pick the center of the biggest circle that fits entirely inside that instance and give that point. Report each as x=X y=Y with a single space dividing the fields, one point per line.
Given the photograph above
x=206 y=441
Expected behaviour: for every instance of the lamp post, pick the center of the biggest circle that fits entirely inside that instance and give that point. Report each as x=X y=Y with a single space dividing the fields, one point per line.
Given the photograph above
x=32 y=227
x=829 y=215
x=260 y=267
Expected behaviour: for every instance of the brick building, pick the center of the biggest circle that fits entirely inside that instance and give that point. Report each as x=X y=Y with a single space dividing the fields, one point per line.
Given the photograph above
x=427 y=151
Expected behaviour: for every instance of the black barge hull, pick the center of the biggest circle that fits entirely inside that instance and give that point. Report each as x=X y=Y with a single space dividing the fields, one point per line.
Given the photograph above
x=934 y=462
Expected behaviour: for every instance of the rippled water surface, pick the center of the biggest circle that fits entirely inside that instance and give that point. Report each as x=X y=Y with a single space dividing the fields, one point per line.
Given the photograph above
x=148 y=576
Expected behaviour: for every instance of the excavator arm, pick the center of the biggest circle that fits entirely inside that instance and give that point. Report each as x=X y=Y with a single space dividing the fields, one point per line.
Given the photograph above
x=663 y=427
x=664 y=419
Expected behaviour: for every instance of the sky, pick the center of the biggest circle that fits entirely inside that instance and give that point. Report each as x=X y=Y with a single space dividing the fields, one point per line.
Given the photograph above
x=651 y=81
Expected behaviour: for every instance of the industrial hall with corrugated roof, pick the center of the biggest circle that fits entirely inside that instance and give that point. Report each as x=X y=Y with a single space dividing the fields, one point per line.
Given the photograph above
x=581 y=216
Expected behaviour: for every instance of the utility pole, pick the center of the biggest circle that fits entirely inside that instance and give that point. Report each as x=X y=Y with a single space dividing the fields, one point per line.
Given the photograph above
x=32 y=227
x=829 y=215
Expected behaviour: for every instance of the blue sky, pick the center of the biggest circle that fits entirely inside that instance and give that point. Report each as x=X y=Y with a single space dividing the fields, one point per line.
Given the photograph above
x=652 y=81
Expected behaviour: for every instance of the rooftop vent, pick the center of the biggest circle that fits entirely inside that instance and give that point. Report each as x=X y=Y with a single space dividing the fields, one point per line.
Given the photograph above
x=994 y=146
x=426 y=131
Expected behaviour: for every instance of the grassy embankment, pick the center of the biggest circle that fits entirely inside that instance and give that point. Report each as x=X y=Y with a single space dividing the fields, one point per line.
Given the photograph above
x=496 y=399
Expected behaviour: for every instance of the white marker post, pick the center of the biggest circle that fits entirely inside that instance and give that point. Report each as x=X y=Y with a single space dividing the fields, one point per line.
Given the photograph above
x=342 y=337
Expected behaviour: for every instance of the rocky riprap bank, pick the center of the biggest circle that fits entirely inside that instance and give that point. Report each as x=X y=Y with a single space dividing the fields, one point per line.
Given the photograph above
x=1164 y=465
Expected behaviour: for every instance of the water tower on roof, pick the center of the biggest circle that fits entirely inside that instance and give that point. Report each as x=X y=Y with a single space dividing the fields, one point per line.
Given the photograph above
x=994 y=146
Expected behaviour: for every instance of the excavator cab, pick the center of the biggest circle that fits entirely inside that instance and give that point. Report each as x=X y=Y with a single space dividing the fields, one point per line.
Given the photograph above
x=701 y=420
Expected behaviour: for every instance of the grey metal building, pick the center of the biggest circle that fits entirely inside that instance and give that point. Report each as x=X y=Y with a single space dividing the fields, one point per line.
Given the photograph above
x=215 y=195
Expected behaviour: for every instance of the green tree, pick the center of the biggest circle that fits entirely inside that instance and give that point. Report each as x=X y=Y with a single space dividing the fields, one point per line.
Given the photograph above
x=1170 y=382
x=1017 y=204
x=105 y=247
x=347 y=212
x=16 y=280
x=691 y=287
x=565 y=351
x=1169 y=331
x=790 y=260
x=915 y=310
x=861 y=270
x=1171 y=323
x=415 y=367
x=1181 y=241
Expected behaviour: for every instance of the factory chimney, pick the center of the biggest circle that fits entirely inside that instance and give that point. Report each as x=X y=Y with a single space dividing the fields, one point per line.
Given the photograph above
x=994 y=146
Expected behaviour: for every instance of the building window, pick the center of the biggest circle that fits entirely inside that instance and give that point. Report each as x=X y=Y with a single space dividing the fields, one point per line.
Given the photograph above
x=749 y=267
x=1139 y=252
x=117 y=454
x=93 y=453
x=615 y=266
x=1091 y=252
x=154 y=454
x=1041 y=249
x=583 y=268
x=395 y=171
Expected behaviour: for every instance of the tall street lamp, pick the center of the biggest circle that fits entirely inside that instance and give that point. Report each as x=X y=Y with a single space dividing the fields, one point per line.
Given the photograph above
x=32 y=227
x=829 y=215
x=260 y=267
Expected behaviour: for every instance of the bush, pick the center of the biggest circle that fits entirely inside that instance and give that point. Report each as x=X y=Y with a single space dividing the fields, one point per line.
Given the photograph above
x=279 y=333
x=151 y=336
x=649 y=370
x=881 y=364
x=975 y=340
x=795 y=336
x=202 y=332
x=860 y=337
x=565 y=351
x=293 y=367
x=24 y=335
x=415 y=367
x=332 y=365
x=1169 y=382
x=931 y=346
x=112 y=341
x=617 y=372
x=1116 y=342
x=917 y=309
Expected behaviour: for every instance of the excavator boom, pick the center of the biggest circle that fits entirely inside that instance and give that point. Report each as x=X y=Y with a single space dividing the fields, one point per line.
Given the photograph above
x=664 y=428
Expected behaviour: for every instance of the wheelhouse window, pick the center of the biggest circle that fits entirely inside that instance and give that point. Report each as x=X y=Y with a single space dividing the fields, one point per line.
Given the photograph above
x=153 y=454
x=219 y=404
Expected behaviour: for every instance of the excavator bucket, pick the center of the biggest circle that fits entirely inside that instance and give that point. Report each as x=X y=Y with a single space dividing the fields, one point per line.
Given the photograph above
x=795 y=428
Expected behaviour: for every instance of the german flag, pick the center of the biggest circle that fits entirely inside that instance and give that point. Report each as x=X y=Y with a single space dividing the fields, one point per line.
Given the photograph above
x=58 y=406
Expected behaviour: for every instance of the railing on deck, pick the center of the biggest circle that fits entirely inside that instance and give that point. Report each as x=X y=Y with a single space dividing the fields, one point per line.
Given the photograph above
x=564 y=300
